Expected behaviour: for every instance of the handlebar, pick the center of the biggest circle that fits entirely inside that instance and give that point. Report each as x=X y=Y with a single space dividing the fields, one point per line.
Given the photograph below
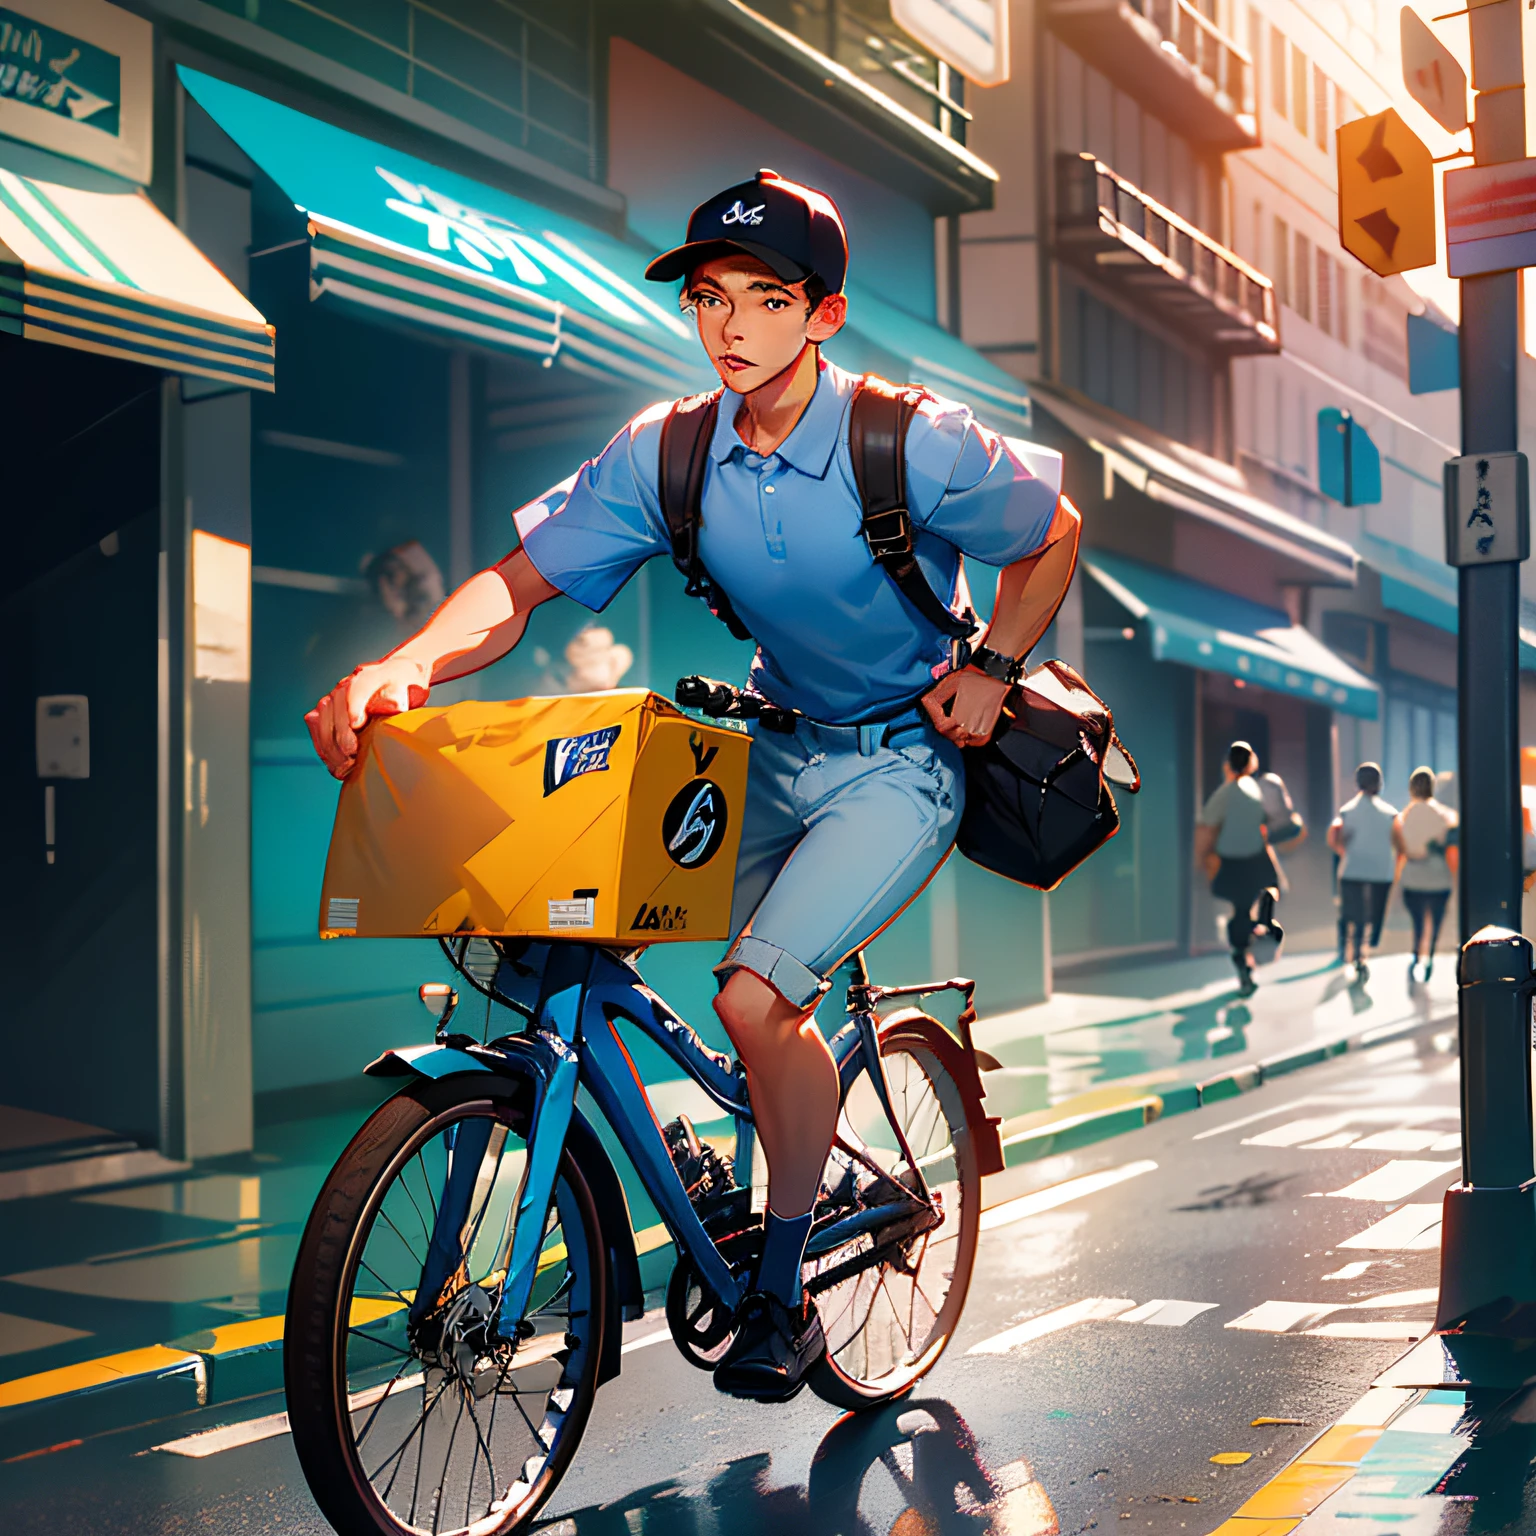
x=721 y=701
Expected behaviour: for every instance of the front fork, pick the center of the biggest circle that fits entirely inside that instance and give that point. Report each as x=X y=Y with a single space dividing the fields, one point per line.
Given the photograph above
x=549 y=1122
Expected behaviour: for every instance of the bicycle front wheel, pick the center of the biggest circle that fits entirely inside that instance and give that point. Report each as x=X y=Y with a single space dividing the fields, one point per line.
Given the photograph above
x=889 y=1307
x=413 y=1420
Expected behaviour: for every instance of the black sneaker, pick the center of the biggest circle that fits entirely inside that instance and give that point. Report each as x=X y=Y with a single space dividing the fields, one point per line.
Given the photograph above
x=773 y=1350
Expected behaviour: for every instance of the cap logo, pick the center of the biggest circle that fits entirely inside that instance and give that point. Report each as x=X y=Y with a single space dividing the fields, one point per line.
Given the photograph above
x=737 y=214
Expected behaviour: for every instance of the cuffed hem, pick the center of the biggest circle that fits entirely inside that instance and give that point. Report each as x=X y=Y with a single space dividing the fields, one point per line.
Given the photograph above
x=797 y=984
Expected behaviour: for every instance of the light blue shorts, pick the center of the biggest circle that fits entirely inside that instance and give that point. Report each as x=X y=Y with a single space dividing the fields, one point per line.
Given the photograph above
x=843 y=826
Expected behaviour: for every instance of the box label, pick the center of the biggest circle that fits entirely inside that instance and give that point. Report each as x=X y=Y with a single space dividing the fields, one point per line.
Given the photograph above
x=568 y=757
x=578 y=912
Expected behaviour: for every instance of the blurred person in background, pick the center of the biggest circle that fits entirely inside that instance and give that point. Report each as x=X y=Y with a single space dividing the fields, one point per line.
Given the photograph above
x=1361 y=835
x=1232 y=848
x=1426 y=865
x=1283 y=825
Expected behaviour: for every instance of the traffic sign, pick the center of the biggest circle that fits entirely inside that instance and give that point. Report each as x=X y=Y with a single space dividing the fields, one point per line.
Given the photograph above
x=1490 y=218
x=1430 y=71
x=1386 y=194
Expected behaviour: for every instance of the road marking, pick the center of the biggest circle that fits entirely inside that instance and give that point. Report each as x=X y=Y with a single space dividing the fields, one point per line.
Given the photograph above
x=1377 y=1407
x=1393 y=1181
x=1166 y=1314
x=1330 y=1143
x=1281 y=1316
x=1263 y=1114
x=1092 y=1309
x=1296 y=1131
x=1401 y=1140
x=1410 y=1228
x=1352 y=1271
x=1060 y=1194
x=1390 y=1330
x=209 y=1442
x=645 y=1340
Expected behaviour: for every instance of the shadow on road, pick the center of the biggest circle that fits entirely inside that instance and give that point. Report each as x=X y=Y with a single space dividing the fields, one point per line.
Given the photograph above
x=912 y=1467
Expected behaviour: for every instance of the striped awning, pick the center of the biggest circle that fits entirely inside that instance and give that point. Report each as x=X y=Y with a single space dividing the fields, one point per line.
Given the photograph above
x=108 y=272
x=398 y=237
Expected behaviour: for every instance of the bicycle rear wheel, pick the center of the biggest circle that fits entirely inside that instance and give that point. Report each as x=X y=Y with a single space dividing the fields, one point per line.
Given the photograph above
x=889 y=1308
x=428 y=1423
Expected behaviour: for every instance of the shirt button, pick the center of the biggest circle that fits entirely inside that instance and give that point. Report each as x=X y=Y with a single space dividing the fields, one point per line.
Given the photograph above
x=768 y=490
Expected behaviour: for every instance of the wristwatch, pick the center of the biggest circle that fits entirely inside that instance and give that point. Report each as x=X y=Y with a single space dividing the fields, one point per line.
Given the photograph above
x=1006 y=669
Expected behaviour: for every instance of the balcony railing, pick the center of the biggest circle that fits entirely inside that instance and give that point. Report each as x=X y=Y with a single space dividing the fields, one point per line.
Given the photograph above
x=1178 y=64
x=1131 y=242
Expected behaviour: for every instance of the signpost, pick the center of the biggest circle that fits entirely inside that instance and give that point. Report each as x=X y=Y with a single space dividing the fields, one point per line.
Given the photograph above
x=1488 y=1245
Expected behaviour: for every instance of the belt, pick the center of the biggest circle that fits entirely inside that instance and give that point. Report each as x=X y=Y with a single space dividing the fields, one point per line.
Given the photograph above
x=866 y=739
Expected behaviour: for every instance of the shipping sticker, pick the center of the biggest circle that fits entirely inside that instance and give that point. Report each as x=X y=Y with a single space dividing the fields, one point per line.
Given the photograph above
x=341 y=912
x=576 y=912
x=568 y=757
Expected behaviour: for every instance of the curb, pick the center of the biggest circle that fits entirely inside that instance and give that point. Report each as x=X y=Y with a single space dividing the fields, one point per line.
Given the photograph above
x=1403 y=1425
x=241 y=1360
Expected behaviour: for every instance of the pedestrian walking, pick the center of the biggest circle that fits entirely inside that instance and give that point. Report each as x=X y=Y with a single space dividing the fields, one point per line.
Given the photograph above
x=1426 y=865
x=1231 y=846
x=1282 y=821
x=1361 y=835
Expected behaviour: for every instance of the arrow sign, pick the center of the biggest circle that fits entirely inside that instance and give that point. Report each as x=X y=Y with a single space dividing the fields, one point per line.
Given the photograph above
x=1433 y=77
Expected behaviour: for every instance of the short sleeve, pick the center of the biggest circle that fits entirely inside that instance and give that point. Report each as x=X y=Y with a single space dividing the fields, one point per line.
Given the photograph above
x=588 y=535
x=1213 y=813
x=969 y=487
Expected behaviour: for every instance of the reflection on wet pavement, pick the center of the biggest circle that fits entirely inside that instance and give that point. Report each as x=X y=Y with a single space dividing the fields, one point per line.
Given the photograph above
x=912 y=1469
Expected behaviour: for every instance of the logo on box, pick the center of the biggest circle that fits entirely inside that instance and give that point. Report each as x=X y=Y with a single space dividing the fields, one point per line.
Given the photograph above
x=693 y=827
x=568 y=757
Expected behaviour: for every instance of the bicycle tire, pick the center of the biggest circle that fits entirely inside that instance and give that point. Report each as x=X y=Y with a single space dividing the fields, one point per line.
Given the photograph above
x=866 y=1364
x=323 y=1303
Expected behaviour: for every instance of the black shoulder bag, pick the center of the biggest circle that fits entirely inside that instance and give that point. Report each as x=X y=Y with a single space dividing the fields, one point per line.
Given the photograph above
x=1037 y=796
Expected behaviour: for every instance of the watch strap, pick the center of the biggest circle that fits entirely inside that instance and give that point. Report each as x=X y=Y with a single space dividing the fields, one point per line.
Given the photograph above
x=1006 y=669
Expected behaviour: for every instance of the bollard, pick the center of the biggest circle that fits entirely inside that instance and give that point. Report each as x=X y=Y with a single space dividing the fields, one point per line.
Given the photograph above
x=1488 y=1244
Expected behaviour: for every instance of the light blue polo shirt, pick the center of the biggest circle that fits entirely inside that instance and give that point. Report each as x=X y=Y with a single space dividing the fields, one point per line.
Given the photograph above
x=780 y=536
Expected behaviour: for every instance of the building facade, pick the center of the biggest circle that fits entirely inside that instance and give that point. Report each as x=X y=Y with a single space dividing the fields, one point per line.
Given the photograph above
x=436 y=220
x=1161 y=265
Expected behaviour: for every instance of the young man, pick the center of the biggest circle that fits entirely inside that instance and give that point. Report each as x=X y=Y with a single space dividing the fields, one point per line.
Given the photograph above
x=847 y=818
x=1231 y=844
x=1361 y=835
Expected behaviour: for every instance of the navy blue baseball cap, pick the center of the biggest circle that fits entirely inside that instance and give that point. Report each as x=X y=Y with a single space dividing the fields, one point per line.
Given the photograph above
x=793 y=230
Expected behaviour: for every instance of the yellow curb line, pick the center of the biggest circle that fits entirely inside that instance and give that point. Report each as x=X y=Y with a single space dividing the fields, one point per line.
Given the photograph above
x=1325 y=1466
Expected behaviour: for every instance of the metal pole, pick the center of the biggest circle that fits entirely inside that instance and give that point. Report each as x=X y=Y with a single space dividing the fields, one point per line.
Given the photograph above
x=1488 y=638
x=1488 y=1244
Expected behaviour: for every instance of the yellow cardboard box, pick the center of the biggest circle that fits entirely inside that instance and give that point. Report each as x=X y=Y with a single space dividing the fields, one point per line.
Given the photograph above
x=604 y=816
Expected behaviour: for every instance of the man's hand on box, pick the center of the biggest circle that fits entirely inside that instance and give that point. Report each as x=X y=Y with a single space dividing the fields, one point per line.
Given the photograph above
x=386 y=687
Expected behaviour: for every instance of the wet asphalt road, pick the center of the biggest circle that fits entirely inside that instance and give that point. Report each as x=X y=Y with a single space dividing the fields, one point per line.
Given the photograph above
x=1099 y=1424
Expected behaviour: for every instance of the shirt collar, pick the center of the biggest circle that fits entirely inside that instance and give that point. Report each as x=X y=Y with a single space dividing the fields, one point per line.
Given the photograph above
x=810 y=446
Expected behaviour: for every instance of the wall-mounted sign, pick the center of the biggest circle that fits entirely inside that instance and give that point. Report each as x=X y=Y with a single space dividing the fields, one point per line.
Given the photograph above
x=76 y=78
x=1490 y=217
x=969 y=35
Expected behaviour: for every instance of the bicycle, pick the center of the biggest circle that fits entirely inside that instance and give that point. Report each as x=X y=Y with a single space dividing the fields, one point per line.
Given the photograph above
x=459 y=1291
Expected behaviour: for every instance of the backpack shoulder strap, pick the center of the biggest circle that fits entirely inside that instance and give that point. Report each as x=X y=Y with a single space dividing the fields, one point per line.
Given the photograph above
x=877 y=441
x=684 y=456
x=685 y=439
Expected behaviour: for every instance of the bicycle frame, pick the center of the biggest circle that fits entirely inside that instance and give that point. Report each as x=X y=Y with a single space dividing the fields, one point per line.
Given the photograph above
x=579 y=993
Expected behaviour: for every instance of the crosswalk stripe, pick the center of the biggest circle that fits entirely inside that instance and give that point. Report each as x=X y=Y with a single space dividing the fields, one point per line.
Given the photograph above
x=1090 y=1309
x=1060 y=1194
x=1393 y=1181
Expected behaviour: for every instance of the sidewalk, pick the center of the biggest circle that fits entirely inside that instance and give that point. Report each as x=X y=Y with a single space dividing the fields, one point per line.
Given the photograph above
x=171 y=1291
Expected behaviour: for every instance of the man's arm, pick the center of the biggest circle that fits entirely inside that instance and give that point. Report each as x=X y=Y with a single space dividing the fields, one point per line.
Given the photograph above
x=478 y=624
x=965 y=705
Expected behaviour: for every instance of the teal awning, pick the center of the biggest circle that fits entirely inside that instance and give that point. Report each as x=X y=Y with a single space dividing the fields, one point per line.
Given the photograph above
x=879 y=338
x=1425 y=589
x=1202 y=626
x=399 y=237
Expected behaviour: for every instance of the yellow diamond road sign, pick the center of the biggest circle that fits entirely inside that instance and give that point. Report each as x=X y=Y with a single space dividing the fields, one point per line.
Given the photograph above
x=1386 y=194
